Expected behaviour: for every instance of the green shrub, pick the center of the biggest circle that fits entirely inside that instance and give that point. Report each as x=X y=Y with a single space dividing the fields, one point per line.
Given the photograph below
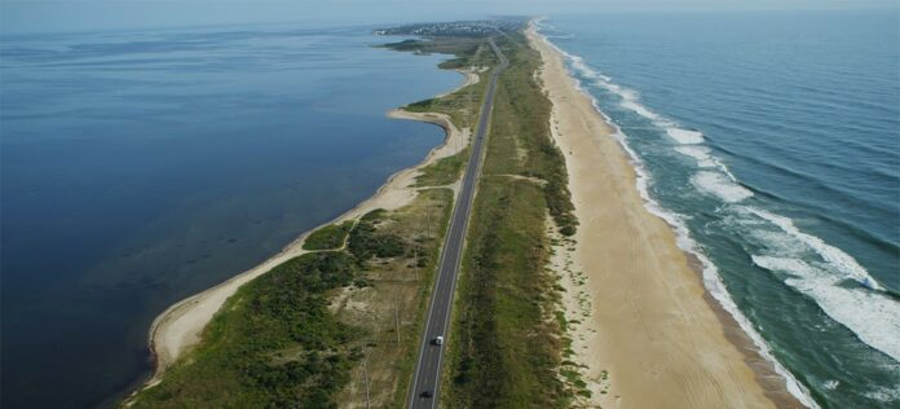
x=366 y=242
x=329 y=237
x=273 y=344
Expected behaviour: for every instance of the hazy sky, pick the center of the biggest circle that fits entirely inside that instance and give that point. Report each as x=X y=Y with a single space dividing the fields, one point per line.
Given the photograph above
x=17 y=16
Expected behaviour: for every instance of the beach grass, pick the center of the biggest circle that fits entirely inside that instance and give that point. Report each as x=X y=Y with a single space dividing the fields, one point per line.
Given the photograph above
x=508 y=344
x=444 y=171
x=390 y=309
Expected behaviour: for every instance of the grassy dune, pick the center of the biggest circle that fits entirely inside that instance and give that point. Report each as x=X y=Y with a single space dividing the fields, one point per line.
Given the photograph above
x=508 y=341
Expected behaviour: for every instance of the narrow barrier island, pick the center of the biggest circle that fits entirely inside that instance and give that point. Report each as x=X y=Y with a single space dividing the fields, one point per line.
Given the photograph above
x=339 y=325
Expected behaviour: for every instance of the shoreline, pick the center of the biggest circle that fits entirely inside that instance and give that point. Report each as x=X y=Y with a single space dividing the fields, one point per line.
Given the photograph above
x=178 y=328
x=672 y=343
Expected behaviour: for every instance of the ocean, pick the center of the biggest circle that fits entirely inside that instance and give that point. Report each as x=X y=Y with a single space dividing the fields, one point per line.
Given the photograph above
x=771 y=142
x=140 y=167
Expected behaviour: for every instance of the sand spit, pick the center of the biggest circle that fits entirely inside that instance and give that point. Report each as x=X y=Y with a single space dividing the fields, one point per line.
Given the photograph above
x=470 y=77
x=649 y=338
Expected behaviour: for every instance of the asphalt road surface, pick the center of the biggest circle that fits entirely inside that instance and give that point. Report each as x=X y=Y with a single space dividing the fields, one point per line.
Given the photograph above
x=428 y=368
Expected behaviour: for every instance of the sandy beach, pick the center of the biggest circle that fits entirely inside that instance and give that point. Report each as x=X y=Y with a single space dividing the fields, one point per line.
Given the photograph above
x=651 y=339
x=179 y=327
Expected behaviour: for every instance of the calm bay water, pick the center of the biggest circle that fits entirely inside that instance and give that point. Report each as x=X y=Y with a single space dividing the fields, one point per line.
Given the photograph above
x=141 y=167
x=773 y=140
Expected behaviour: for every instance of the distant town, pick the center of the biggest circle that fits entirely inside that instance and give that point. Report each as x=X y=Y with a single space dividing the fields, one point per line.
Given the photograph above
x=475 y=28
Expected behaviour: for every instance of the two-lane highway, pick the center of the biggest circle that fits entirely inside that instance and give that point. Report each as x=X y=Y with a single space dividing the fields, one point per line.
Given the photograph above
x=425 y=388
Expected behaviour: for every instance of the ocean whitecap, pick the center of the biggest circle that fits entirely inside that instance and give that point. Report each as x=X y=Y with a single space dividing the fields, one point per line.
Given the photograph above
x=872 y=316
x=684 y=136
x=701 y=154
x=720 y=185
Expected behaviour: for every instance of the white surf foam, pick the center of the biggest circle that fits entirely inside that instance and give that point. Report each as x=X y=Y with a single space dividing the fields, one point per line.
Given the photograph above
x=629 y=97
x=775 y=241
x=684 y=136
x=833 y=255
x=871 y=315
x=867 y=311
x=701 y=154
x=711 y=278
x=885 y=395
x=720 y=185
x=641 y=110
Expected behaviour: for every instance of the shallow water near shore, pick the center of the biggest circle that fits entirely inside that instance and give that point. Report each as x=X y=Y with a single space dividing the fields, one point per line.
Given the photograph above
x=773 y=138
x=141 y=167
